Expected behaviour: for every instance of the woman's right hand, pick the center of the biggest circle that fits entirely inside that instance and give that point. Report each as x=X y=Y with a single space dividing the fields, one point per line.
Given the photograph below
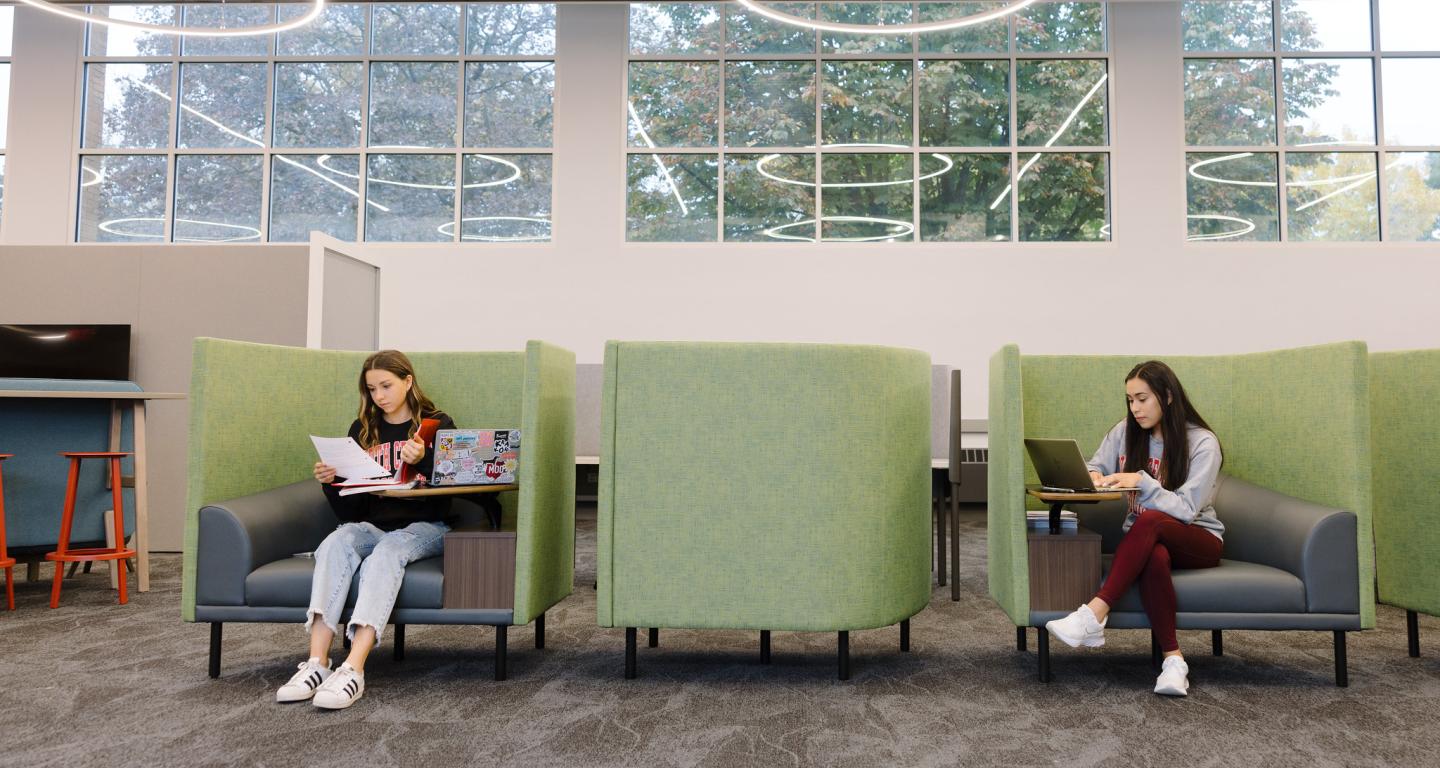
x=324 y=473
x=1095 y=478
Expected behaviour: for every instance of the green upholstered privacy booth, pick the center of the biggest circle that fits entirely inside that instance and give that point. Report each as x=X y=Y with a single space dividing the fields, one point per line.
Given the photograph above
x=763 y=486
x=1405 y=439
x=1293 y=421
x=253 y=407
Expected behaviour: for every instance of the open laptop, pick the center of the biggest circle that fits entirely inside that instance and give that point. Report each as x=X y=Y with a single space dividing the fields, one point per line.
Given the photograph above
x=1060 y=466
x=476 y=457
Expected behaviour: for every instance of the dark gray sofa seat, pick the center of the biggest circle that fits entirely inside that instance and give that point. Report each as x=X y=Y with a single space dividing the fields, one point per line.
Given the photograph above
x=287 y=583
x=1287 y=564
x=247 y=570
x=1234 y=586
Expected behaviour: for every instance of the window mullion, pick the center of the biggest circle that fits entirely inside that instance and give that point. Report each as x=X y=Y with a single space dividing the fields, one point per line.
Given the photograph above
x=172 y=162
x=1382 y=200
x=720 y=143
x=915 y=127
x=362 y=185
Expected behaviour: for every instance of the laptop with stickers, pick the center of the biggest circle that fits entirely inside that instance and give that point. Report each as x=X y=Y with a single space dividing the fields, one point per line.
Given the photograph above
x=476 y=457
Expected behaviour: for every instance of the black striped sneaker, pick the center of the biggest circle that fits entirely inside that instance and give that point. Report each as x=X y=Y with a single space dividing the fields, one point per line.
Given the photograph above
x=341 y=689
x=304 y=683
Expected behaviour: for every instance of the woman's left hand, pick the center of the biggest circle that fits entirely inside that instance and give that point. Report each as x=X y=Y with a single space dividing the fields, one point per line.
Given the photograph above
x=412 y=451
x=1120 y=480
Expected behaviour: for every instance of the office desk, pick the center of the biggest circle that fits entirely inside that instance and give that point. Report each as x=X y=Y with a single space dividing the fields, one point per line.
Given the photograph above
x=137 y=401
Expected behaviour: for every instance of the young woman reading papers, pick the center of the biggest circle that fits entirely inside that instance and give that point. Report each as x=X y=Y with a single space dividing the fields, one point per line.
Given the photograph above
x=1167 y=453
x=377 y=539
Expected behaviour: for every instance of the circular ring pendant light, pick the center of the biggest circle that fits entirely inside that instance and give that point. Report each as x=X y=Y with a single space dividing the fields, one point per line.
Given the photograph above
x=762 y=9
x=168 y=29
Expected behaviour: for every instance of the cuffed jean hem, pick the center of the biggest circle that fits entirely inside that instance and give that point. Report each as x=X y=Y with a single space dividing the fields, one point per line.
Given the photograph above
x=310 y=622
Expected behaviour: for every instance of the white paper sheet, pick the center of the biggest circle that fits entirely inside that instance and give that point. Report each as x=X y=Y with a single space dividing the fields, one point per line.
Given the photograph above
x=372 y=488
x=347 y=457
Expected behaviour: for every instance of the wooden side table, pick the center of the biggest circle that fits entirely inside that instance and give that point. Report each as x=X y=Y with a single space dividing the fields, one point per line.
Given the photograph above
x=479 y=564
x=1065 y=566
x=1064 y=569
x=479 y=569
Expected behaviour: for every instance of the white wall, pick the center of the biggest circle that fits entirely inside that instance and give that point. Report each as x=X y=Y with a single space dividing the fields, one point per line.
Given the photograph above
x=40 y=161
x=1147 y=292
x=167 y=296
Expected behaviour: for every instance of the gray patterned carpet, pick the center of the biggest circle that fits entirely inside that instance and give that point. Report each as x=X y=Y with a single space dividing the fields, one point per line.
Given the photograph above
x=128 y=683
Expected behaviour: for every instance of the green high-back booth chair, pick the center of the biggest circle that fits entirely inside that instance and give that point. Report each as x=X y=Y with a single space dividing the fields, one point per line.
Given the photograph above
x=253 y=502
x=763 y=487
x=1405 y=437
x=1294 y=491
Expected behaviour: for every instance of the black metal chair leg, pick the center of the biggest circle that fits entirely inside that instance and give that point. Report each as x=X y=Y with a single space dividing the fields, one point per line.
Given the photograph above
x=940 y=561
x=501 y=643
x=1042 y=648
x=540 y=631
x=215 y=631
x=844 y=655
x=1217 y=642
x=345 y=638
x=955 y=542
x=1154 y=652
x=904 y=635
x=764 y=646
x=1020 y=644
x=935 y=554
x=654 y=637
x=1412 y=631
x=71 y=573
x=399 y=642
x=1342 y=673
x=629 y=653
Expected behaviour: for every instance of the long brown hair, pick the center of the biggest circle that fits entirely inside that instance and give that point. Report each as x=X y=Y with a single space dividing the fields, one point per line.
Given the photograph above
x=1176 y=414
x=397 y=363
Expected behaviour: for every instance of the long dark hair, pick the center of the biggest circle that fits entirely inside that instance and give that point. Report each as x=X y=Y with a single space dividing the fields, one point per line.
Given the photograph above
x=1176 y=416
x=397 y=363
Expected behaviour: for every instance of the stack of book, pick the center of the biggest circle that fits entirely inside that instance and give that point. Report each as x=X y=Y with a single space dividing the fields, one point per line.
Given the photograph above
x=1039 y=520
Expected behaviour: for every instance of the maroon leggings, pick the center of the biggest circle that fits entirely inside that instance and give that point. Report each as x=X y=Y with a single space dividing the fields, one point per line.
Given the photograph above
x=1154 y=543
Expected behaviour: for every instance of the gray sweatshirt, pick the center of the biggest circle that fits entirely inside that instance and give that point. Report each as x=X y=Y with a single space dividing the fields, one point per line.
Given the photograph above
x=1191 y=502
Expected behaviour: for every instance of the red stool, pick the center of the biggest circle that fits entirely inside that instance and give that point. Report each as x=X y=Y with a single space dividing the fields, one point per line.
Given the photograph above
x=63 y=554
x=6 y=561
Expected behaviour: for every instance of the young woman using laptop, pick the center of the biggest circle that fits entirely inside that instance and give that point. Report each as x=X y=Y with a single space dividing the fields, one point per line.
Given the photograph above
x=378 y=536
x=1167 y=453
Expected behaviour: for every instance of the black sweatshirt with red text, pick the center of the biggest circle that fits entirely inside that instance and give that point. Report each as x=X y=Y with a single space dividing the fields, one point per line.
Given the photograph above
x=393 y=514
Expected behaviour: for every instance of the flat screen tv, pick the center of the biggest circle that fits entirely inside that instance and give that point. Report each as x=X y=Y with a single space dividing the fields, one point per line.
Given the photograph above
x=65 y=351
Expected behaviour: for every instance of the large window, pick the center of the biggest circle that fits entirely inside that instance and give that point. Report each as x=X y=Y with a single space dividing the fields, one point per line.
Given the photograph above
x=744 y=129
x=7 y=26
x=408 y=122
x=1331 y=101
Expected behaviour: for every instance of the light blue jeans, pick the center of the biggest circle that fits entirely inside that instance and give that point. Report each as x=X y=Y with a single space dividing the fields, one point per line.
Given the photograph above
x=380 y=558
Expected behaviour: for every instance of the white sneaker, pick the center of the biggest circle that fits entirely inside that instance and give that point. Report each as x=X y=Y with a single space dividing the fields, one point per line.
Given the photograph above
x=302 y=684
x=343 y=688
x=1079 y=628
x=1174 y=677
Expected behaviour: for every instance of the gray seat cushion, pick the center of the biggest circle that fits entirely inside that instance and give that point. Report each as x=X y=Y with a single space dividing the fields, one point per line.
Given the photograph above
x=286 y=583
x=1233 y=586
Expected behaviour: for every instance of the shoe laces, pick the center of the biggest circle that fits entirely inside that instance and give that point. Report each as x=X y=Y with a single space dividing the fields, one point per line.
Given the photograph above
x=303 y=671
x=337 y=679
